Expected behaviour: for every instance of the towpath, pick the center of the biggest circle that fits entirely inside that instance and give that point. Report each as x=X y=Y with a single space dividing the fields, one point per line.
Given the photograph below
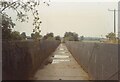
x=62 y=67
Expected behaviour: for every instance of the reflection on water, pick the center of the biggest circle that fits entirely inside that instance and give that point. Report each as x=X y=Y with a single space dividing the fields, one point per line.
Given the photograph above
x=62 y=52
x=60 y=56
x=61 y=49
x=59 y=60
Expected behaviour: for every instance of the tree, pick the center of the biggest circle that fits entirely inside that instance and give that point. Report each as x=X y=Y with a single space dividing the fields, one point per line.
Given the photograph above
x=15 y=35
x=58 y=38
x=81 y=38
x=48 y=36
x=23 y=35
x=36 y=36
x=71 y=36
x=7 y=25
x=21 y=7
x=75 y=36
x=111 y=36
x=32 y=35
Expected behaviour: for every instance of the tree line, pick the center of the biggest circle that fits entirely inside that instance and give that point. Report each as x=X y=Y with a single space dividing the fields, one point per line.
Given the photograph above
x=68 y=36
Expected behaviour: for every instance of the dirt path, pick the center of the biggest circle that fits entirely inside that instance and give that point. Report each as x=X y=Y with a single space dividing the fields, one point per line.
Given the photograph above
x=63 y=67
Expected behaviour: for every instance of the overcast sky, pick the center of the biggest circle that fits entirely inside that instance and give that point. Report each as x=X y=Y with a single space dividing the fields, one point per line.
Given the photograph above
x=83 y=17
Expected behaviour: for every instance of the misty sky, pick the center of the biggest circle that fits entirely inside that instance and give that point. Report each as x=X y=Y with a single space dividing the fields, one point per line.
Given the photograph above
x=85 y=18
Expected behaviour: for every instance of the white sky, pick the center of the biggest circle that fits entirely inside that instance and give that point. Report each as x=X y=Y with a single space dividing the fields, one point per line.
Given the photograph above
x=85 y=18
